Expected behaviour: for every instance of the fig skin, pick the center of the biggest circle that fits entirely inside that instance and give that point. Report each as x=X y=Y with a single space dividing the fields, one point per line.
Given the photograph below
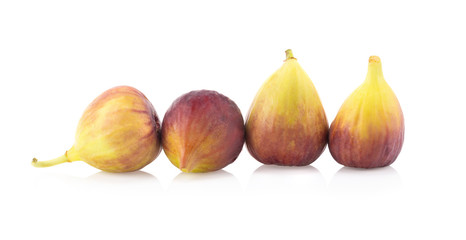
x=202 y=131
x=368 y=131
x=118 y=132
x=286 y=124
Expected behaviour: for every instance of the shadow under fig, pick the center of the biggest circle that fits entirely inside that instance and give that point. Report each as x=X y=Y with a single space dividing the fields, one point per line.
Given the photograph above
x=365 y=181
x=99 y=185
x=130 y=183
x=272 y=179
x=217 y=182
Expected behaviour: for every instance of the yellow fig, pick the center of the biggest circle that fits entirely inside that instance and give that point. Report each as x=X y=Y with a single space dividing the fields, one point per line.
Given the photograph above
x=118 y=132
x=286 y=124
x=368 y=130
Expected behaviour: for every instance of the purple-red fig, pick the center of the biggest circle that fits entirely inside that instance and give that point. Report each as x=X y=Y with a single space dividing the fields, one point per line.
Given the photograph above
x=202 y=131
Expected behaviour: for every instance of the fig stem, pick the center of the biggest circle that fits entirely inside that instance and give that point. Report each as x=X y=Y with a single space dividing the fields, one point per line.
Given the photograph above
x=374 y=59
x=289 y=55
x=49 y=163
x=374 y=71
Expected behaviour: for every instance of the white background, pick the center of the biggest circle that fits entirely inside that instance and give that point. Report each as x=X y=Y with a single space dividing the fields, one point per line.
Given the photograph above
x=57 y=56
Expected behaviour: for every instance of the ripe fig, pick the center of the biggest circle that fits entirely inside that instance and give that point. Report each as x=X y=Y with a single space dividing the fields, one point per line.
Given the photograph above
x=368 y=130
x=286 y=124
x=118 y=132
x=202 y=131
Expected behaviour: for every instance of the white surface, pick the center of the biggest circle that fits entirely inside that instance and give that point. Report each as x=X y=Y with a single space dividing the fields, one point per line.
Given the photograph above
x=57 y=56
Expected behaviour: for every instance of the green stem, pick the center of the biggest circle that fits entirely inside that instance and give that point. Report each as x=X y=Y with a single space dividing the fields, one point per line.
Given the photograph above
x=289 y=54
x=50 y=163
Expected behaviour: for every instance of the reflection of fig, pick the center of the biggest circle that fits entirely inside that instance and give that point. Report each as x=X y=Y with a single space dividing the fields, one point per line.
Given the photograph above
x=207 y=183
x=292 y=180
x=202 y=131
x=118 y=132
x=368 y=130
x=286 y=124
x=362 y=181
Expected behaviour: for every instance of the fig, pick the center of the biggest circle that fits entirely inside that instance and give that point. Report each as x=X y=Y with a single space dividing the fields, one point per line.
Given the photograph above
x=118 y=132
x=286 y=123
x=202 y=131
x=368 y=130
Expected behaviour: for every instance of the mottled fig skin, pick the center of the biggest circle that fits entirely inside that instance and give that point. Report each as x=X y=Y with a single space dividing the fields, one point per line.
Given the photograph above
x=380 y=149
x=118 y=132
x=368 y=131
x=271 y=140
x=202 y=131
